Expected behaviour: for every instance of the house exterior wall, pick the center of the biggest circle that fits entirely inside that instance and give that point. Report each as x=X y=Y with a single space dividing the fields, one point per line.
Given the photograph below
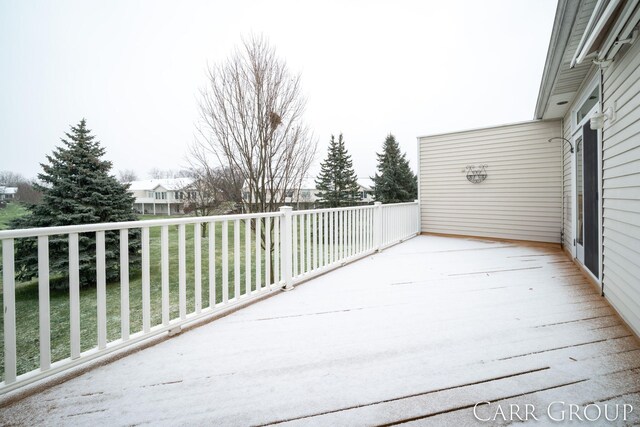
x=521 y=197
x=621 y=186
x=620 y=222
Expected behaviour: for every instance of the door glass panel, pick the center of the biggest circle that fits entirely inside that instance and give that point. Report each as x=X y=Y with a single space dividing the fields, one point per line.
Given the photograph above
x=588 y=105
x=580 y=193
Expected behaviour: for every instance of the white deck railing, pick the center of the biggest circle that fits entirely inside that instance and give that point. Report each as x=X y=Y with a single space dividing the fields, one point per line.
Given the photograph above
x=296 y=245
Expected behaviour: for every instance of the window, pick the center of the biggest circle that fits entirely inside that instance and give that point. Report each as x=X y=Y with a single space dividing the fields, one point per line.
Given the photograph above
x=588 y=104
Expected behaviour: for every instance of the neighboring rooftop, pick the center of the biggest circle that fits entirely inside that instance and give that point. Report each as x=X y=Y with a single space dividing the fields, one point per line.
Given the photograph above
x=171 y=184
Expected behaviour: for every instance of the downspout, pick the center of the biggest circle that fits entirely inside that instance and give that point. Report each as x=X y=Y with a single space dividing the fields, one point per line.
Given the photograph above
x=562 y=192
x=601 y=67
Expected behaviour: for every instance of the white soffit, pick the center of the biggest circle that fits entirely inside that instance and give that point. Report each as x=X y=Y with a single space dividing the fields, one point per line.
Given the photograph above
x=567 y=80
x=558 y=105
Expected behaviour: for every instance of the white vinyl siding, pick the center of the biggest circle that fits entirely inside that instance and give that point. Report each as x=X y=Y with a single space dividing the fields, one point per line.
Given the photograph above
x=621 y=187
x=520 y=199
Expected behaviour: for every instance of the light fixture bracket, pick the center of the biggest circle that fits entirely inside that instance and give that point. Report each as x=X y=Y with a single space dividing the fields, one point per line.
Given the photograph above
x=564 y=139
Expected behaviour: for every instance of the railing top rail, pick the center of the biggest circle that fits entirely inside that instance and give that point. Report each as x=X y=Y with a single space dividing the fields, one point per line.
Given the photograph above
x=110 y=226
x=390 y=205
x=344 y=208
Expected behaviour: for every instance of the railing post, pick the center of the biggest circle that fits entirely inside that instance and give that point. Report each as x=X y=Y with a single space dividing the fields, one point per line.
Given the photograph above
x=377 y=226
x=417 y=202
x=286 y=248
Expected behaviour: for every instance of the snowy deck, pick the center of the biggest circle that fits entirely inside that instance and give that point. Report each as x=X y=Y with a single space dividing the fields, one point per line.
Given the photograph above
x=418 y=333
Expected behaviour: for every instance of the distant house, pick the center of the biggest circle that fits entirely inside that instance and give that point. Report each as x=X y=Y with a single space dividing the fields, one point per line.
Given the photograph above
x=8 y=193
x=308 y=192
x=162 y=196
x=365 y=187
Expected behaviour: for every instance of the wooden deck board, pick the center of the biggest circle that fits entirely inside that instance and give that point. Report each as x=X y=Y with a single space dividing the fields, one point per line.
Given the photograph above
x=416 y=334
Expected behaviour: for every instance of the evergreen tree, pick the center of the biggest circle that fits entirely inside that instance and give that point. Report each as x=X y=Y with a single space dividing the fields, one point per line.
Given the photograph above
x=337 y=181
x=394 y=182
x=77 y=189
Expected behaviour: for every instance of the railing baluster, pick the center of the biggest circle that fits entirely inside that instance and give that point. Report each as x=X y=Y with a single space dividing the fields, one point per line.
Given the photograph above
x=356 y=233
x=212 y=264
x=225 y=261
x=101 y=290
x=349 y=235
x=164 y=273
x=197 y=246
x=304 y=258
x=325 y=239
x=43 y=303
x=285 y=251
x=342 y=235
x=365 y=230
x=336 y=237
x=341 y=244
x=182 y=271
x=360 y=221
x=146 y=282
x=74 y=295
x=9 y=303
x=236 y=259
x=124 y=284
x=258 y=255
x=353 y=232
x=247 y=256
x=303 y=244
x=295 y=236
x=363 y=222
x=267 y=252
x=345 y=235
x=332 y=232
x=316 y=240
x=309 y=243
x=276 y=246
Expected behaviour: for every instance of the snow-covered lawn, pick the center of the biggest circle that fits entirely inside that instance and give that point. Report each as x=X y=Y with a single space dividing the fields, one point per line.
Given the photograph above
x=419 y=333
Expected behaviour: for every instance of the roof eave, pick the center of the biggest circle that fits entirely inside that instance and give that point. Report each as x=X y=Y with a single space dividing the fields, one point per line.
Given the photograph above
x=566 y=13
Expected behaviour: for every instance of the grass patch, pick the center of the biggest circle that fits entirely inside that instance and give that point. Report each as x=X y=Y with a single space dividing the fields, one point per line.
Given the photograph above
x=9 y=213
x=27 y=318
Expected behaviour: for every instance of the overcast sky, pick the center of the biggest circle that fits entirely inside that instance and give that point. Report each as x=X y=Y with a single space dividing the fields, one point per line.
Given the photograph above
x=133 y=70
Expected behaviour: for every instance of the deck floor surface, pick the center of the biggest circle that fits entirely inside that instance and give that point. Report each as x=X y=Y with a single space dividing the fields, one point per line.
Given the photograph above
x=417 y=335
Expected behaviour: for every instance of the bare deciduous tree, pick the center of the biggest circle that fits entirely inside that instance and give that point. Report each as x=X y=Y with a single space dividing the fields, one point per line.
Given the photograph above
x=251 y=124
x=28 y=194
x=11 y=179
x=127 y=175
x=157 y=173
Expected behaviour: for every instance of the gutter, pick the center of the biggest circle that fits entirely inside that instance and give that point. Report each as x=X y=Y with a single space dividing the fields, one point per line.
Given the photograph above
x=566 y=14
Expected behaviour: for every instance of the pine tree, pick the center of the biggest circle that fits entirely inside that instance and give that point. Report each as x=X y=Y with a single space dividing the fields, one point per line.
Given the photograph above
x=77 y=189
x=337 y=180
x=395 y=182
